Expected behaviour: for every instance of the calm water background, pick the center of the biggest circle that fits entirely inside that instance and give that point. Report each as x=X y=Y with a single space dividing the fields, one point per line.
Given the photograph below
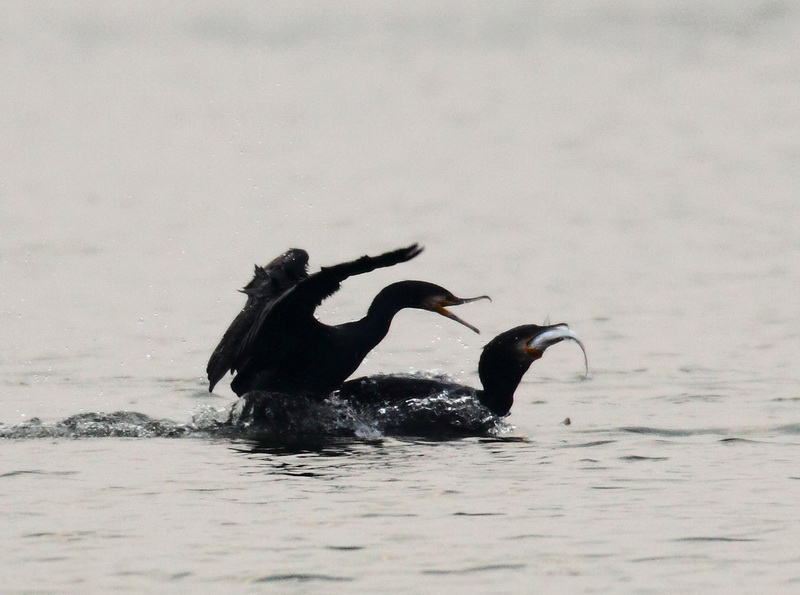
x=630 y=168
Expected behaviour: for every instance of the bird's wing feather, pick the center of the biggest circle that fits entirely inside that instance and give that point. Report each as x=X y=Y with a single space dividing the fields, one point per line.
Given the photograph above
x=298 y=303
x=269 y=283
x=321 y=285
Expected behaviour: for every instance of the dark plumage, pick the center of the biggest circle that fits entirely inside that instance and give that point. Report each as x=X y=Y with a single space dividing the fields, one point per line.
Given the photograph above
x=276 y=343
x=504 y=361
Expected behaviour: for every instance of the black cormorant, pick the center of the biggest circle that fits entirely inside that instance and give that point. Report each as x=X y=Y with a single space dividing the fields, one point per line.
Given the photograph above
x=504 y=361
x=276 y=343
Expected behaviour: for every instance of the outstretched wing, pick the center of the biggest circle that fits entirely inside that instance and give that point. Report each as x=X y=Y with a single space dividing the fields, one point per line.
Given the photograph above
x=268 y=284
x=316 y=288
x=296 y=306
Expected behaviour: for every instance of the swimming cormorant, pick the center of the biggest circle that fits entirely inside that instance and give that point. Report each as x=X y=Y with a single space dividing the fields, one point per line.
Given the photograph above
x=504 y=361
x=276 y=343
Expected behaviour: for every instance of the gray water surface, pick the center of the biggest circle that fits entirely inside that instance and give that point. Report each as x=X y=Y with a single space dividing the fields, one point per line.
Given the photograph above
x=630 y=169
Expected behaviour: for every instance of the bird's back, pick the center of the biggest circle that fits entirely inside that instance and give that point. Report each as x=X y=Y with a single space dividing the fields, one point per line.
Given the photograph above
x=394 y=388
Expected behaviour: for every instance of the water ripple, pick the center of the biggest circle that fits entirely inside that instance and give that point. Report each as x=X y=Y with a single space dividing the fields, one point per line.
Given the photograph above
x=670 y=433
x=635 y=458
x=302 y=578
x=473 y=569
x=715 y=539
x=36 y=472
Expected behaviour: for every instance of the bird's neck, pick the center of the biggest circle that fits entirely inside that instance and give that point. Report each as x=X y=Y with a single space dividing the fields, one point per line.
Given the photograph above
x=375 y=325
x=500 y=377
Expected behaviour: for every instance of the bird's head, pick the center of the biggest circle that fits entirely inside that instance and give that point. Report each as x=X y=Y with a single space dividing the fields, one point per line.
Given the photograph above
x=529 y=341
x=507 y=357
x=432 y=297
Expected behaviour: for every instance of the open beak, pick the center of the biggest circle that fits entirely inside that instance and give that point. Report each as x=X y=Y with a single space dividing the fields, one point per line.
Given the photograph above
x=440 y=308
x=536 y=345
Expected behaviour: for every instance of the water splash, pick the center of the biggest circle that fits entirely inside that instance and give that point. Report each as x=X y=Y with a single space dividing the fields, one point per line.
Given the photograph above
x=279 y=418
x=275 y=416
x=120 y=424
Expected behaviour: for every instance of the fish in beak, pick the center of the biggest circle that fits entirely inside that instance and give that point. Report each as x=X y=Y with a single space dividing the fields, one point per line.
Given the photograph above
x=536 y=345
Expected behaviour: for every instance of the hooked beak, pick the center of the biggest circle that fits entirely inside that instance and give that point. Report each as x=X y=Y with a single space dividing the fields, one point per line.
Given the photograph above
x=440 y=308
x=536 y=345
